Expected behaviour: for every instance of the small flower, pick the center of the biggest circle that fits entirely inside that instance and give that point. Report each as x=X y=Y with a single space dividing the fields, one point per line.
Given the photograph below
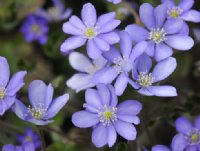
x=144 y=79
x=162 y=34
x=106 y=117
x=87 y=69
x=97 y=31
x=27 y=146
x=30 y=136
x=188 y=136
x=35 y=28
x=182 y=11
x=9 y=89
x=115 y=1
x=57 y=12
x=42 y=107
x=121 y=63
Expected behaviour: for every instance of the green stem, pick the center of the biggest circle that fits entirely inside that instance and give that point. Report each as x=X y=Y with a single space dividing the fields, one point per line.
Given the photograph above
x=40 y=129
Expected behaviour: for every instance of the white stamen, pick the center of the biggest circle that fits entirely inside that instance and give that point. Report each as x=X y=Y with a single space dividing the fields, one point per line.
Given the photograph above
x=122 y=65
x=2 y=92
x=174 y=12
x=144 y=79
x=38 y=111
x=158 y=35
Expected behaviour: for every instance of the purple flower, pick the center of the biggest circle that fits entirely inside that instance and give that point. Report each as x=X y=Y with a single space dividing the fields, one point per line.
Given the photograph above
x=188 y=137
x=8 y=89
x=87 y=69
x=97 y=31
x=35 y=28
x=160 y=148
x=55 y=13
x=42 y=107
x=183 y=10
x=106 y=117
x=114 y=1
x=31 y=136
x=144 y=78
x=122 y=63
x=27 y=146
x=162 y=35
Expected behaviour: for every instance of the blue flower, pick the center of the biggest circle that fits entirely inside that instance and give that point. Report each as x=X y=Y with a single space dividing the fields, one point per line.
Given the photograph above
x=144 y=78
x=99 y=32
x=188 y=137
x=55 y=13
x=35 y=28
x=107 y=117
x=27 y=146
x=161 y=34
x=31 y=136
x=9 y=89
x=160 y=148
x=42 y=107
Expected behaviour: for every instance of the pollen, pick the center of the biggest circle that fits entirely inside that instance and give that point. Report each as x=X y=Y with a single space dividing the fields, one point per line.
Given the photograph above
x=2 y=93
x=174 y=12
x=37 y=112
x=158 y=35
x=107 y=115
x=144 y=79
x=193 y=138
x=90 y=32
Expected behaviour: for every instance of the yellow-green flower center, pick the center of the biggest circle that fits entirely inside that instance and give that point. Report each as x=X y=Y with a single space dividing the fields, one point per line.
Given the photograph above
x=36 y=28
x=195 y=137
x=37 y=112
x=2 y=93
x=90 y=32
x=174 y=12
x=158 y=35
x=108 y=115
x=144 y=79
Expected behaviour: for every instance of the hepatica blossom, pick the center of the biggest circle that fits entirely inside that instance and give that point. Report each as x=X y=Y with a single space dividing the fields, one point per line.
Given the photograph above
x=162 y=35
x=27 y=146
x=35 y=28
x=182 y=11
x=114 y=1
x=8 y=89
x=144 y=78
x=30 y=136
x=98 y=32
x=188 y=137
x=42 y=107
x=87 y=69
x=57 y=12
x=107 y=117
x=122 y=63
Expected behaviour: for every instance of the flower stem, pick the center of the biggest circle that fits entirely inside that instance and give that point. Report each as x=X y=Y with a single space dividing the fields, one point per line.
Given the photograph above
x=40 y=129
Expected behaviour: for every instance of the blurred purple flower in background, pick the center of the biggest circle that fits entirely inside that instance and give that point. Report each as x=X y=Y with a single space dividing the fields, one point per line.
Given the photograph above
x=182 y=11
x=143 y=78
x=8 y=89
x=27 y=146
x=55 y=13
x=106 y=117
x=188 y=137
x=122 y=63
x=162 y=35
x=114 y=1
x=35 y=28
x=97 y=31
x=30 y=136
x=87 y=69
x=42 y=107
x=160 y=148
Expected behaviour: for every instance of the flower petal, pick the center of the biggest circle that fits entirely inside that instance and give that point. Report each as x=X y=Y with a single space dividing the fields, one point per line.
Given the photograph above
x=114 y=99
x=100 y=135
x=178 y=143
x=160 y=148
x=139 y=49
x=16 y=83
x=150 y=50
x=147 y=15
x=68 y=28
x=185 y=29
x=4 y=72
x=145 y=91
x=105 y=18
x=101 y=44
x=129 y=107
x=173 y=26
x=110 y=26
x=160 y=74
x=169 y=3
x=121 y=84
x=137 y=33
x=29 y=146
x=84 y=119
x=8 y=102
x=80 y=62
x=125 y=44
x=112 y=54
x=162 y=52
x=112 y=135
x=192 y=16
x=163 y=91
x=9 y=147
x=180 y=42
x=92 y=50
x=126 y=130
x=111 y=37
x=3 y=107
x=186 y=4
x=93 y=98
x=20 y=109
x=183 y=125
x=39 y=122
x=197 y=123
x=144 y=63
x=129 y=119
x=88 y=14
x=56 y=106
x=72 y=43
x=76 y=22
x=160 y=13
x=104 y=94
